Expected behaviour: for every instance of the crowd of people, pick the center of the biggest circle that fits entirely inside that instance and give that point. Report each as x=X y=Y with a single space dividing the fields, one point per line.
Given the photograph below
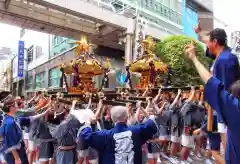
x=167 y=126
x=171 y=124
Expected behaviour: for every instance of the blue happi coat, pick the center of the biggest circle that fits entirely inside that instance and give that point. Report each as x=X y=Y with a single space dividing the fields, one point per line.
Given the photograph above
x=120 y=145
x=11 y=132
x=228 y=106
x=226 y=69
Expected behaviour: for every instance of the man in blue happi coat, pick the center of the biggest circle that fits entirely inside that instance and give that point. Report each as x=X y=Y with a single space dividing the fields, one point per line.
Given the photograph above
x=224 y=103
x=226 y=66
x=121 y=144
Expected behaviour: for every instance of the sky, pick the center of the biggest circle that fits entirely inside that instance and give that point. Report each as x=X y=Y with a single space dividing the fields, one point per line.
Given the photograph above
x=9 y=36
x=226 y=11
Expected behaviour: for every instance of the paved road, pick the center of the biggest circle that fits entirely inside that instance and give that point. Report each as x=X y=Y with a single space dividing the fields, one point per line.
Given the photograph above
x=192 y=160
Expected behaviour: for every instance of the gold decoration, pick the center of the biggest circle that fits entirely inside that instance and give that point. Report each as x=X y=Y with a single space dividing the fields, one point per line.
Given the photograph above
x=148 y=46
x=87 y=67
x=142 y=65
x=82 y=46
x=107 y=63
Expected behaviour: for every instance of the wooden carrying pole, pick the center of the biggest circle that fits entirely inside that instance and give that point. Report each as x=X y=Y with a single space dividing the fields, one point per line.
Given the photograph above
x=210 y=118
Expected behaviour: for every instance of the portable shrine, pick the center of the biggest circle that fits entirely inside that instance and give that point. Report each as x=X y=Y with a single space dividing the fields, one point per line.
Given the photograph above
x=149 y=65
x=82 y=69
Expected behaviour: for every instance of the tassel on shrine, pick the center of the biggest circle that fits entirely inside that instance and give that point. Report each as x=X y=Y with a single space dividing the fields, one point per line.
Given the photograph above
x=76 y=78
x=128 y=77
x=63 y=80
x=105 y=80
x=152 y=73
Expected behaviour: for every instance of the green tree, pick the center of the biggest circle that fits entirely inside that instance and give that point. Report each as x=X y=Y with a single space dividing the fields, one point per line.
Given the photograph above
x=171 y=51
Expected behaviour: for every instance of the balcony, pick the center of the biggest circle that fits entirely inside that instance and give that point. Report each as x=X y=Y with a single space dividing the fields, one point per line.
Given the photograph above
x=152 y=10
x=155 y=9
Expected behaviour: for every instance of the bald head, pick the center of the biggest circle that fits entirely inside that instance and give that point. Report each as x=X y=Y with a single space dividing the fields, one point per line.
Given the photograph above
x=119 y=114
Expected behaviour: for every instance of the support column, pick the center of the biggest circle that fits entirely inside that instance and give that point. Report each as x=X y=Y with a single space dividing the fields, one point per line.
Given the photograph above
x=128 y=48
x=46 y=78
x=34 y=80
x=17 y=88
x=129 y=40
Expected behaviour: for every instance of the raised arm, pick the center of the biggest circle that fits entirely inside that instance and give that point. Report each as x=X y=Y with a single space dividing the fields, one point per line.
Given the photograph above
x=160 y=110
x=99 y=109
x=176 y=99
x=34 y=97
x=156 y=98
x=32 y=118
x=26 y=110
x=89 y=102
x=145 y=92
x=140 y=109
x=191 y=97
x=74 y=102
x=149 y=102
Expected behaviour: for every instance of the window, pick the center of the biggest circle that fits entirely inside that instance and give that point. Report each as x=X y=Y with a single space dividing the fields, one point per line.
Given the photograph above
x=54 y=77
x=30 y=54
x=54 y=40
x=29 y=84
x=40 y=80
x=38 y=51
x=57 y=40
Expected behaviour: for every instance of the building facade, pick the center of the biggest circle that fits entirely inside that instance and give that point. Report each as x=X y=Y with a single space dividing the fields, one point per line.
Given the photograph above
x=43 y=57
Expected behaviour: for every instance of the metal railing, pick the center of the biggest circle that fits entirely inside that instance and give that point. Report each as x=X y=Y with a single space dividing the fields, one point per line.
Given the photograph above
x=153 y=10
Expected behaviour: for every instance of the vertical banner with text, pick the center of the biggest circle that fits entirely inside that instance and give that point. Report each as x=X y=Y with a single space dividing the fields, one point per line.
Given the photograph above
x=20 y=59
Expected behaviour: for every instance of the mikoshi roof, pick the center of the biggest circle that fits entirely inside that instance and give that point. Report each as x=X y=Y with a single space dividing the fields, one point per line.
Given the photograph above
x=86 y=63
x=142 y=65
x=89 y=66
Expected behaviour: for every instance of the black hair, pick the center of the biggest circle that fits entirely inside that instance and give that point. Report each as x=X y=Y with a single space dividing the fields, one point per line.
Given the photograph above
x=39 y=92
x=220 y=35
x=3 y=95
x=7 y=105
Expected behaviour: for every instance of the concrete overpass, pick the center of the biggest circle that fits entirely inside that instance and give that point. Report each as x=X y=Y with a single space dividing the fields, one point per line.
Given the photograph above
x=50 y=18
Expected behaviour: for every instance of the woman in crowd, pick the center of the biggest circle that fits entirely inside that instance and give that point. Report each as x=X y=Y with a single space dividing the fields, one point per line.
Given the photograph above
x=11 y=132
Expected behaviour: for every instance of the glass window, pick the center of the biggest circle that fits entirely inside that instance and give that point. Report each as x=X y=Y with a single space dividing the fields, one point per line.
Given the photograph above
x=55 y=41
x=174 y=5
x=30 y=54
x=29 y=84
x=40 y=80
x=54 y=77
x=166 y=3
x=38 y=51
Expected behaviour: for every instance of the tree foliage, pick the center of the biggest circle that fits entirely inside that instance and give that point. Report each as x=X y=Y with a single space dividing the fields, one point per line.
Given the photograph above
x=171 y=51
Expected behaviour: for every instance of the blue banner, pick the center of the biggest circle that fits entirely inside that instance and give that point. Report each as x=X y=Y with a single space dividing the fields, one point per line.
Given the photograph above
x=189 y=20
x=20 y=58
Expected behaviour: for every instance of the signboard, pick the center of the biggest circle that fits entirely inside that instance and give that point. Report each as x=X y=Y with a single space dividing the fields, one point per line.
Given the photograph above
x=189 y=20
x=20 y=59
x=208 y=4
